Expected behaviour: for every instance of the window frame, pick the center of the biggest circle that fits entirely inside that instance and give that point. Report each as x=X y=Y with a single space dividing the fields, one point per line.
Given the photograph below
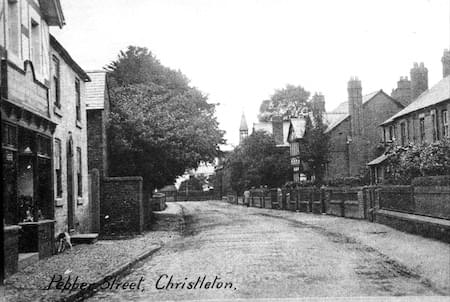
x=444 y=121
x=78 y=99
x=422 y=129
x=56 y=81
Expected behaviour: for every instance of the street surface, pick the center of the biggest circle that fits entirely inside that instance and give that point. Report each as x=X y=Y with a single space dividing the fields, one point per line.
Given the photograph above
x=256 y=253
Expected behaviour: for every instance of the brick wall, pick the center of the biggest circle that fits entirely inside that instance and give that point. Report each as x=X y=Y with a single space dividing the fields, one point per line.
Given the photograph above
x=121 y=207
x=96 y=133
x=338 y=161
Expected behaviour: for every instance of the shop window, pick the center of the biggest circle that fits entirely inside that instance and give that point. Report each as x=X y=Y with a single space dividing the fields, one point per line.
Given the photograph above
x=58 y=165
x=56 y=82
x=9 y=135
x=78 y=99
x=444 y=124
x=14 y=27
x=79 y=175
x=43 y=146
x=9 y=184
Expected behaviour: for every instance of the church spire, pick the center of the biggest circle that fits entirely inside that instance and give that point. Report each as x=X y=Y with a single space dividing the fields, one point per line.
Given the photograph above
x=243 y=128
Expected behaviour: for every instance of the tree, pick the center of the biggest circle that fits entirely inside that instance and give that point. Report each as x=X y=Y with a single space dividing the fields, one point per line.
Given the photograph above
x=257 y=161
x=316 y=144
x=285 y=102
x=159 y=125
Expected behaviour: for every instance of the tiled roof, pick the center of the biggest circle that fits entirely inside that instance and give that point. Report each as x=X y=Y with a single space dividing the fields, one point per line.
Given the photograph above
x=339 y=114
x=436 y=94
x=378 y=160
x=268 y=128
x=95 y=90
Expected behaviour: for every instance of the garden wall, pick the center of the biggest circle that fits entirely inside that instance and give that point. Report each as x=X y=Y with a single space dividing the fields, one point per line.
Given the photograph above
x=121 y=209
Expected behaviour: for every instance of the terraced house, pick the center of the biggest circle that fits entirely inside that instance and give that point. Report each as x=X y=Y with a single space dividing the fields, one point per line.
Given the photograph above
x=424 y=121
x=44 y=151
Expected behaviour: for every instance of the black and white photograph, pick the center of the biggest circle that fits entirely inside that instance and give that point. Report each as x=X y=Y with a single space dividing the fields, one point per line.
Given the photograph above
x=225 y=150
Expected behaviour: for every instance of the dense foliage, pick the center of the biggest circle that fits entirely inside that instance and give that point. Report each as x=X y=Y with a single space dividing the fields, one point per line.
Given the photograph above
x=285 y=102
x=405 y=163
x=159 y=126
x=258 y=162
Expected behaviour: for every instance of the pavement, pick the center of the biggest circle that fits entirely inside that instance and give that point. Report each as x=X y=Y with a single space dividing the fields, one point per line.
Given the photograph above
x=95 y=264
x=229 y=252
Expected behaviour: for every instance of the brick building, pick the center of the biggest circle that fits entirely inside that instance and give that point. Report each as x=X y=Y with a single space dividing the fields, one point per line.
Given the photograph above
x=68 y=95
x=97 y=107
x=354 y=134
x=424 y=121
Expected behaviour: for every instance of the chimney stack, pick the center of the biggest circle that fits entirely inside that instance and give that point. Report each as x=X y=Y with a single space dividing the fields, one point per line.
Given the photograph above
x=403 y=91
x=446 y=63
x=318 y=103
x=419 y=80
x=355 y=106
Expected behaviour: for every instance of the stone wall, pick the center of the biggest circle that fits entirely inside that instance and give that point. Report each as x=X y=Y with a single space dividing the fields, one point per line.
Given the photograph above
x=121 y=208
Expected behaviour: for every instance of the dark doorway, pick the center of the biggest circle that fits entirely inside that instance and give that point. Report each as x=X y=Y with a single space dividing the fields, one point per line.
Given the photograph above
x=70 y=196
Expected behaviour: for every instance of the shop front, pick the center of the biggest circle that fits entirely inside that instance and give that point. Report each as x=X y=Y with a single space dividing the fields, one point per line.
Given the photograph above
x=27 y=179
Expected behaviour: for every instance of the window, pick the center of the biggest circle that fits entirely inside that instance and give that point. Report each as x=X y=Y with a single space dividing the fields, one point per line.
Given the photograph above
x=9 y=136
x=36 y=45
x=78 y=99
x=391 y=133
x=408 y=127
x=56 y=84
x=434 y=123
x=403 y=133
x=58 y=168
x=14 y=27
x=79 y=176
x=422 y=129
x=444 y=124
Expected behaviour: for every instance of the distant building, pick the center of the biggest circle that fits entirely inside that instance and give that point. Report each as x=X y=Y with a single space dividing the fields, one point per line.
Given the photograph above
x=278 y=128
x=243 y=129
x=296 y=136
x=354 y=134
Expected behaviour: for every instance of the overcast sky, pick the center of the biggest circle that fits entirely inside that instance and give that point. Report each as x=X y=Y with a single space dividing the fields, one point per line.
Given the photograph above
x=239 y=51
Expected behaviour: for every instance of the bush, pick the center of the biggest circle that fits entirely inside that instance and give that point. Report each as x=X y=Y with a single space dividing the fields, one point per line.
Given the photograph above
x=408 y=162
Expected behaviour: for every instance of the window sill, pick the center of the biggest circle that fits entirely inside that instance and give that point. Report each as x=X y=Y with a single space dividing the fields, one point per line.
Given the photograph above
x=59 y=202
x=57 y=110
x=79 y=125
x=80 y=201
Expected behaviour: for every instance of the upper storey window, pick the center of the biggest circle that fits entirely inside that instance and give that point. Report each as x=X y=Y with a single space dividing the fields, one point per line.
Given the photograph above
x=36 y=47
x=14 y=27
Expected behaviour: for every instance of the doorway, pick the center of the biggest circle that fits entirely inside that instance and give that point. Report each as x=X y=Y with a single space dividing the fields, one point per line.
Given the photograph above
x=70 y=196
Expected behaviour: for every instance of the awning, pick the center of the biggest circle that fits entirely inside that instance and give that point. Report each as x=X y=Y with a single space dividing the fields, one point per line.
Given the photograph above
x=378 y=160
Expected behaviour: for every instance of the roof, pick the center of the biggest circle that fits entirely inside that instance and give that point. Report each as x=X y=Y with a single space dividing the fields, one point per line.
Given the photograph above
x=243 y=126
x=68 y=59
x=341 y=113
x=268 y=128
x=52 y=12
x=297 y=128
x=378 y=160
x=96 y=89
x=436 y=94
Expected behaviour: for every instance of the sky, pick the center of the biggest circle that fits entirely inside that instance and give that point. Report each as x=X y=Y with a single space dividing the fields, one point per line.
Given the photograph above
x=239 y=51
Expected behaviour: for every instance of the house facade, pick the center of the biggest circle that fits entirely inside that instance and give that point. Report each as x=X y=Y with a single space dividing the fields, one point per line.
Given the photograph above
x=355 y=138
x=68 y=96
x=296 y=136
